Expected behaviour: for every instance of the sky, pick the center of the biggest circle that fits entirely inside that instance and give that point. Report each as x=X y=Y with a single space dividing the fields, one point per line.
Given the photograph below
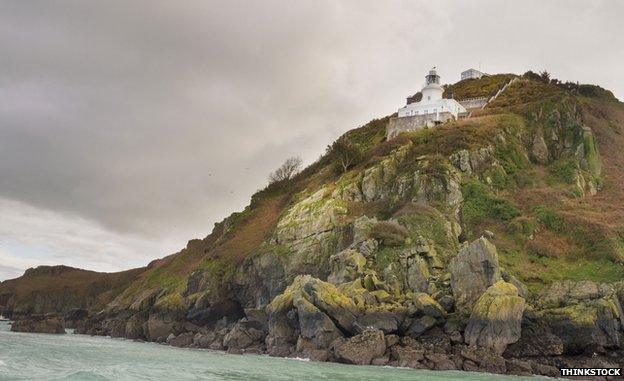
x=129 y=127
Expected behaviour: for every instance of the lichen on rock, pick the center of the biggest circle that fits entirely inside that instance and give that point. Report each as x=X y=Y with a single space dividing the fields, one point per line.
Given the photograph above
x=496 y=318
x=473 y=270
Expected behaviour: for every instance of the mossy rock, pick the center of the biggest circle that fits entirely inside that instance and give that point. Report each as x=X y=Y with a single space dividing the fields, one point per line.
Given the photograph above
x=496 y=318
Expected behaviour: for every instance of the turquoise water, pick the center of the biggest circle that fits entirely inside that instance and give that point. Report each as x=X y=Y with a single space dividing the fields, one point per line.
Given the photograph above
x=26 y=356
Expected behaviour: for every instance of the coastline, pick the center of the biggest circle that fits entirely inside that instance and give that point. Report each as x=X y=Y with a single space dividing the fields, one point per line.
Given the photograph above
x=83 y=356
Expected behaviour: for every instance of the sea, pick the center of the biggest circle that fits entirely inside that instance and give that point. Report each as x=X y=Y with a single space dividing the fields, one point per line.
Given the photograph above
x=34 y=356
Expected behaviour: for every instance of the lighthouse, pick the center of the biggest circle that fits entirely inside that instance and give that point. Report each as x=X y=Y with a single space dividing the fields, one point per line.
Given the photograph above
x=432 y=104
x=430 y=110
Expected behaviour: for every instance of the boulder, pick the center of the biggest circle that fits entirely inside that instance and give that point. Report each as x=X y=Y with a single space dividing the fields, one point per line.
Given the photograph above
x=360 y=349
x=536 y=340
x=183 y=340
x=587 y=316
x=426 y=305
x=244 y=334
x=440 y=361
x=39 y=324
x=417 y=274
x=308 y=349
x=315 y=309
x=135 y=327
x=74 y=316
x=210 y=339
x=421 y=325
x=518 y=367
x=447 y=302
x=314 y=325
x=346 y=266
x=408 y=357
x=482 y=360
x=387 y=321
x=522 y=289
x=159 y=327
x=473 y=270
x=539 y=150
x=496 y=318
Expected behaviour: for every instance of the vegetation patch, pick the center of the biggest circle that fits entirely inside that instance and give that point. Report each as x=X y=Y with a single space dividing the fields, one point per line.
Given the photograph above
x=564 y=170
x=549 y=218
x=479 y=204
x=477 y=88
x=512 y=157
x=171 y=302
x=389 y=233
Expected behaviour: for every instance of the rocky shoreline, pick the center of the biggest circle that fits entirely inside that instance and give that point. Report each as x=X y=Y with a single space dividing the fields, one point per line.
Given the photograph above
x=483 y=323
x=382 y=264
x=50 y=323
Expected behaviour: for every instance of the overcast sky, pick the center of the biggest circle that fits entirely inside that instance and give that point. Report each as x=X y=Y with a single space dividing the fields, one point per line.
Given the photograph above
x=129 y=127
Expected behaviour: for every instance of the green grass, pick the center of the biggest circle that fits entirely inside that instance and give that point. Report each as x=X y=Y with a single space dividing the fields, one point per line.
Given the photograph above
x=475 y=88
x=479 y=204
x=539 y=271
x=549 y=218
x=512 y=158
x=564 y=170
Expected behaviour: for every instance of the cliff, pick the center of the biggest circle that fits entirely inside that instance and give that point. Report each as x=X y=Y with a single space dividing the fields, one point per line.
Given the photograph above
x=59 y=289
x=492 y=243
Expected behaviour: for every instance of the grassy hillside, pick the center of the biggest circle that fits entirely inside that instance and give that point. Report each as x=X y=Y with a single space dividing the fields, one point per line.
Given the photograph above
x=60 y=288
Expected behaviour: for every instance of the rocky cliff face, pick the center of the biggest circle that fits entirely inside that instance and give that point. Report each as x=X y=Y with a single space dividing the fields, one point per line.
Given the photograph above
x=429 y=252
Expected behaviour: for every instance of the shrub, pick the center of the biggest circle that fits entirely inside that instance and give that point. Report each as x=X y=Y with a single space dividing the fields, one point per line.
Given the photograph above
x=564 y=170
x=480 y=204
x=345 y=154
x=389 y=233
x=549 y=218
x=523 y=225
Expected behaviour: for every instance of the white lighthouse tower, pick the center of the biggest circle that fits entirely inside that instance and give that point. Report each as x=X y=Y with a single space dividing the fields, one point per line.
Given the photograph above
x=432 y=104
x=430 y=110
x=432 y=92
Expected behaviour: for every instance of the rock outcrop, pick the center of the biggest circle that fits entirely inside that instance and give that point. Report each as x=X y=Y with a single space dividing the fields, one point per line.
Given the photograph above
x=360 y=349
x=496 y=318
x=586 y=315
x=39 y=324
x=473 y=270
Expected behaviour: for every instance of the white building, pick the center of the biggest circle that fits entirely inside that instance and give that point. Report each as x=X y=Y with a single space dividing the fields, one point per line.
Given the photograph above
x=472 y=74
x=432 y=102
x=432 y=109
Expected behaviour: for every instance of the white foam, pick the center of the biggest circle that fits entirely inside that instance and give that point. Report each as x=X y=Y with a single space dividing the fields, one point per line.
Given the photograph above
x=299 y=359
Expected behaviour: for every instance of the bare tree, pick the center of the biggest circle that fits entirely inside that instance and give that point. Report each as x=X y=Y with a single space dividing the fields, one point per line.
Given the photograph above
x=286 y=171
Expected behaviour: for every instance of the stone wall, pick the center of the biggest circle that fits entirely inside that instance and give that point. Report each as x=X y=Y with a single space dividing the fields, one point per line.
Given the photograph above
x=416 y=122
